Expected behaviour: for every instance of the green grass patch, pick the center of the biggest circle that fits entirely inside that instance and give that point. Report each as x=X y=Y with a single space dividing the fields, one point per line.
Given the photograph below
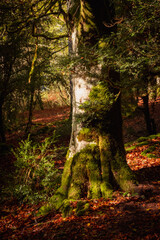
x=153 y=136
x=150 y=155
x=142 y=143
x=148 y=150
x=142 y=139
x=128 y=149
x=128 y=144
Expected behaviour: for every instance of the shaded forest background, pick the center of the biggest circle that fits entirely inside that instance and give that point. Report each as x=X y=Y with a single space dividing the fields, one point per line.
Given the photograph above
x=35 y=120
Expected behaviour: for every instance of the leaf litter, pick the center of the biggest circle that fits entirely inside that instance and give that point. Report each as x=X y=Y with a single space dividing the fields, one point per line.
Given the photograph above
x=125 y=216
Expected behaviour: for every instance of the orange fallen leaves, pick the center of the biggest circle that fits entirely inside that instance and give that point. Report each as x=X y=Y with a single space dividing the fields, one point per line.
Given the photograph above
x=136 y=161
x=106 y=219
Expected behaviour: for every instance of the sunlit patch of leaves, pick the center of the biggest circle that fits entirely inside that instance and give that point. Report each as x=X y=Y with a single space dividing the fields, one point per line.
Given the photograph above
x=144 y=152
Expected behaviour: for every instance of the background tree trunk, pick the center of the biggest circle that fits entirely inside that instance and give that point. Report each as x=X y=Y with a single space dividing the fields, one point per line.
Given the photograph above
x=150 y=123
x=2 y=131
x=30 y=110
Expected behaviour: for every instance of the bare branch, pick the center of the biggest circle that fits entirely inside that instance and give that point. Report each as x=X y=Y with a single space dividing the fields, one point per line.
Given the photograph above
x=113 y=24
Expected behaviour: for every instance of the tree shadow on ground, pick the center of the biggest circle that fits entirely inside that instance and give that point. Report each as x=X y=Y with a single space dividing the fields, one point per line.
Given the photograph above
x=148 y=174
x=134 y=217
x=130 y=219
x=149 y=183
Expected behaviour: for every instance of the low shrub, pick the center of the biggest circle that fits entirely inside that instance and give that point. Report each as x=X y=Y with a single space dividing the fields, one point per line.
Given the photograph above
x=36 y=176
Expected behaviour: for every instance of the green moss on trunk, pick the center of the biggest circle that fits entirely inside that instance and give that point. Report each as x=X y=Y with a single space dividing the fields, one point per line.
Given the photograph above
x=77 y=184
x=94 y=174
x=56 y=201
x=86 y=177
x=87 y=135
x=114 y=165
x=105 y=157
x=122 y=173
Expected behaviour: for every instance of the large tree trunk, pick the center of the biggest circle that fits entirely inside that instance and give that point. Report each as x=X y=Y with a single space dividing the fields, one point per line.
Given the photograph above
x=95 y=165
x=96 y=161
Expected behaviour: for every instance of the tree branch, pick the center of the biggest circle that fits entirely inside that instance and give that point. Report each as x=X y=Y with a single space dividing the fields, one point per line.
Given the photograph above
x=50 y=38
x=113 y=24
x=45 y=36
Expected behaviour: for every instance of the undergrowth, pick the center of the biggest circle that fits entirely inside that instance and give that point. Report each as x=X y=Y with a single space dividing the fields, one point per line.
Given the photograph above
x=36 y=176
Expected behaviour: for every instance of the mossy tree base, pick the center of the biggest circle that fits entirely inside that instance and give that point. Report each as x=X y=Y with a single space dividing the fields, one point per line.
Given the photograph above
x=92 y=173
x=97 y=169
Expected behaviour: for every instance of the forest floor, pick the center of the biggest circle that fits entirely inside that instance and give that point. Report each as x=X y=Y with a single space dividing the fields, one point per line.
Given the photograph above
x=124 y=216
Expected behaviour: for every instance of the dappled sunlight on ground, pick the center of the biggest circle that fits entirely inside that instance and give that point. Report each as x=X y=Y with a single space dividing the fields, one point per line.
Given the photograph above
x=50 y=115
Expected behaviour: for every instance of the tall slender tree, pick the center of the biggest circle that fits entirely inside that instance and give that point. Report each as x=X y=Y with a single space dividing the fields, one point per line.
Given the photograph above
x=22 y=67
